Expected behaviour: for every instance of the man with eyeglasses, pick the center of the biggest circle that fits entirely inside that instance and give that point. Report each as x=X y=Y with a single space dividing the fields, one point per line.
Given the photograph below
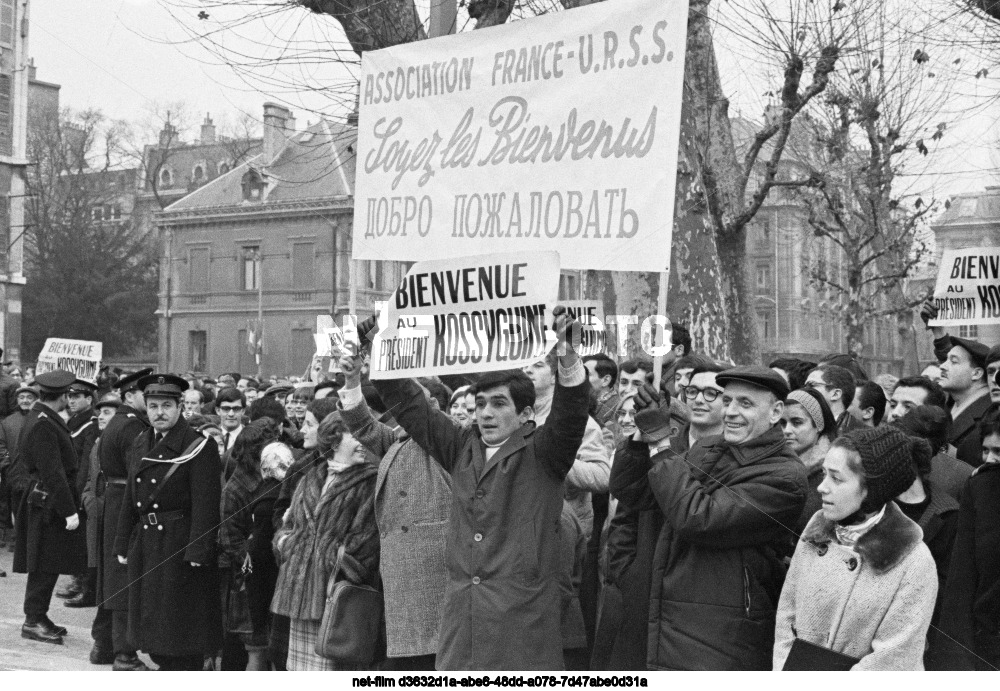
x=230 y=406
x=704 y=401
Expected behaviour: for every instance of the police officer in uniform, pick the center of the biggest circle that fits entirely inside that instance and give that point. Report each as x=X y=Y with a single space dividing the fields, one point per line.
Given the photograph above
x=167 y=534
x=82 y=426
x=111 y=622
x=50 y=540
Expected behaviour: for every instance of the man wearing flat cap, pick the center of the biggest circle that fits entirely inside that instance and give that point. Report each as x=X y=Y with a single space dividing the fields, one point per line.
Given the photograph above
x=726 y=505
x=110 y=626
x=50 y=540
x=963 y=377
x=167 y=534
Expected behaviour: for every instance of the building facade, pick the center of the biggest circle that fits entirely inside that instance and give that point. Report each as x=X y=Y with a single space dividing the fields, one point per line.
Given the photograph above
x=272 y=234
x=14 y=96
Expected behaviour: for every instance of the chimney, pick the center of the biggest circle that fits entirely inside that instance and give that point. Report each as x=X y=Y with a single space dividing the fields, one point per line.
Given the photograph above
x=352 y=117
x=276 y=123
x=208 y=130
x=168 y=136
x=32 y=70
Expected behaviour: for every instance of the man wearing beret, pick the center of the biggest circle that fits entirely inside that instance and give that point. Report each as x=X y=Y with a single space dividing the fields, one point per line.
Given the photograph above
x=727 y=504
x=167 y=534
x=111 y=621
x=49 y=538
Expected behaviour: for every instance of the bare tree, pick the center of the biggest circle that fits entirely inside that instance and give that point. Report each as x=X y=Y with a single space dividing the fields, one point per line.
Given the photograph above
x=90 y=275
x=877 y=121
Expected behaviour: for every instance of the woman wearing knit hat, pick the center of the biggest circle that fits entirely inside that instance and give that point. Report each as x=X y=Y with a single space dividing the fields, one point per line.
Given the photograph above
x=861 y=587
x=809 y=427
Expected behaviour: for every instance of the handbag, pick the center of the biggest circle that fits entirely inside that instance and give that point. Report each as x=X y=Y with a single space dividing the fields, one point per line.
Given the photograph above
x=238 y=603
x=352 y=620
x=809 y=657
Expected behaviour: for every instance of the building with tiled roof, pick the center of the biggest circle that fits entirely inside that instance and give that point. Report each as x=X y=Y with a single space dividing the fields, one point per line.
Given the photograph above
x=276 y=227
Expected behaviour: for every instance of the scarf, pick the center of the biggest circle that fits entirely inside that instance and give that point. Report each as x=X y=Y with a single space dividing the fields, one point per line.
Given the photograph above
x=848 y=535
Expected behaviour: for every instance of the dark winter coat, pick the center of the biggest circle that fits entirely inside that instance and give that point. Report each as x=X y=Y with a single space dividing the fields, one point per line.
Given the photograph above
x=247 y=529
x=308 y=540
x=10 y=434
x=970 y=609
x=502 y=603
x=949 y=474
x=729 y=516
x=174 y=608
x=116 y=444
x=83 y=431
x=622 y=632
x=93 y=505
x=964 y=431
x=43 y=542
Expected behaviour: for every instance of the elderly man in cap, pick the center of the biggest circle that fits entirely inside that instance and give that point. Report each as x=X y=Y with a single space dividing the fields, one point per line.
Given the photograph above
x=726 y=504
x=49 y=538
x=167 y=534
x=82 y=425
x=13 y=479
x=128 y=423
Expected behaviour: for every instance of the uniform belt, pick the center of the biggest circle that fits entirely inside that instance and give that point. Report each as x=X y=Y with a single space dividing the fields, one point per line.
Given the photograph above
x=161 y=517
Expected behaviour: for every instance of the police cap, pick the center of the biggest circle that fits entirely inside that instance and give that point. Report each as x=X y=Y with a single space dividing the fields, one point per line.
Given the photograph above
x=84 y=387
x=55 y=382
x=164 y=385
x=131 y=382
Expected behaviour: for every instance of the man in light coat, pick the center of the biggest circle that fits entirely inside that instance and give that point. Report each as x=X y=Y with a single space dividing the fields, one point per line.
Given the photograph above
x=502 y=604
x=412 y=508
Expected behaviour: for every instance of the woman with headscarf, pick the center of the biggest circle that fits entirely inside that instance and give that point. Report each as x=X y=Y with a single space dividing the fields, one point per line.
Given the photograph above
x=809 y=427
x=862 y=584
x=333 y=507
x=456 y=405
x=247 y=500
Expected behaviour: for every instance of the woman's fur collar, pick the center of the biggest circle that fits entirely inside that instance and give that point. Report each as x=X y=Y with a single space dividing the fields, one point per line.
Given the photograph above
x=884 y=546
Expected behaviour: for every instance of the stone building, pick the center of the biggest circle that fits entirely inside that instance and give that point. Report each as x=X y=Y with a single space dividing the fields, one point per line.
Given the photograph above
x=16 y=75
x=275 y=228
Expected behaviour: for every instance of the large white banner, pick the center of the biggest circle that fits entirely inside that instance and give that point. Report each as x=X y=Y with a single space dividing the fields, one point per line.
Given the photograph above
x=472 y=314
x=555 y=133
x=968 y=287
x=82 y=358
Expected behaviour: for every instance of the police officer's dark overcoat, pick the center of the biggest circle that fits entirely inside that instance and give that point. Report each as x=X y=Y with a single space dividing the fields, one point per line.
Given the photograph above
x=43 y=542
x=174 y=608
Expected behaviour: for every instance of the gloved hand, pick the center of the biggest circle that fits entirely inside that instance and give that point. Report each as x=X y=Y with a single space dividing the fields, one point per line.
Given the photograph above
x=652 y=414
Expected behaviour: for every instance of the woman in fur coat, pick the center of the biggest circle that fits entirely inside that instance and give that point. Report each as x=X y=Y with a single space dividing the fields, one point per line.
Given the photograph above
x=862 y=583
x=333 y=505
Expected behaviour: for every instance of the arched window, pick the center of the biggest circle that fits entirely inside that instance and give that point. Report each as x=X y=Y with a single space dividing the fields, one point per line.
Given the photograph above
x=253 y=186
x=166 y=178
x=199 y=173
x=223 y=167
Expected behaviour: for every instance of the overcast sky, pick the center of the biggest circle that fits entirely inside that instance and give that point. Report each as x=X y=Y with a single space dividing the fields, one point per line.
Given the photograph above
x=126 y=56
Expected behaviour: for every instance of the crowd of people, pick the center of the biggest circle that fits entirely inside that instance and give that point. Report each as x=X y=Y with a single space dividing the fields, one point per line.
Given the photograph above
x=579 y=514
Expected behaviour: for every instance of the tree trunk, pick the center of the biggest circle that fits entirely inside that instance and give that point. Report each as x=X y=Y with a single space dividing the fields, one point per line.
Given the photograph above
x=709 y=107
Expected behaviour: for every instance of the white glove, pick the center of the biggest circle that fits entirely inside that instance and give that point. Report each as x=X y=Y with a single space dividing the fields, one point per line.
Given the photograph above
x=73 y=522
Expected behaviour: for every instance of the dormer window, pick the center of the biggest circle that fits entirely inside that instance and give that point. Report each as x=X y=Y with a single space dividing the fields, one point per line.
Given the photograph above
x=253 y=186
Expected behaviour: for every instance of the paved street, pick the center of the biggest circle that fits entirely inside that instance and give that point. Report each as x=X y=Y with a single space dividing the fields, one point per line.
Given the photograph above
x=17 y=653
